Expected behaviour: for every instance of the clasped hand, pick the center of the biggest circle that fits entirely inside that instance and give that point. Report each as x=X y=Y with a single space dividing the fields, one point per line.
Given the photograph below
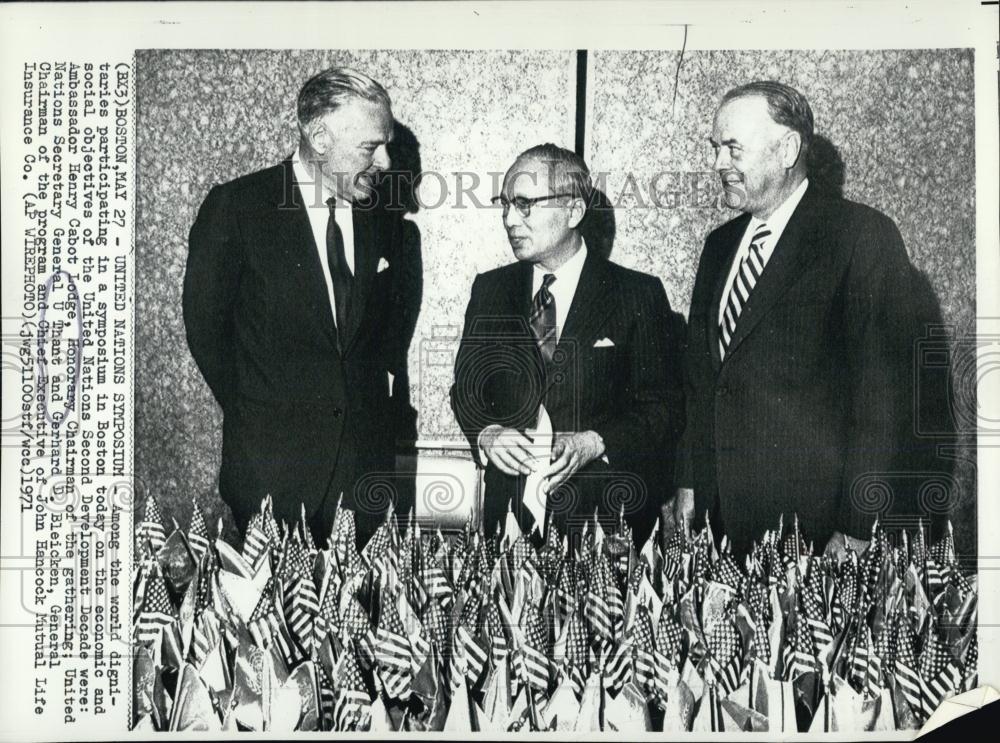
x=511 y=452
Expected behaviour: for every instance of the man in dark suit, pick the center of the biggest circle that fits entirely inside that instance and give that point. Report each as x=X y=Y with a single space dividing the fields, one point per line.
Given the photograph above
x=587 y=339
x=287 y=304
x=799 y=347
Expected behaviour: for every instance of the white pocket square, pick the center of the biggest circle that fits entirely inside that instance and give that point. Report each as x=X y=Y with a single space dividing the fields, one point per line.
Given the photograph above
x=604 y=343
x=382 y=264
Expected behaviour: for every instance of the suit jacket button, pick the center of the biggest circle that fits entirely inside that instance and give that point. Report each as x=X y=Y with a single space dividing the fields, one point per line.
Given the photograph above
x=336 y=412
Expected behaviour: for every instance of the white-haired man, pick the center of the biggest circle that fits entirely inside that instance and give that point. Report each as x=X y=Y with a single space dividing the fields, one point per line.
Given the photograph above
x=287 y=311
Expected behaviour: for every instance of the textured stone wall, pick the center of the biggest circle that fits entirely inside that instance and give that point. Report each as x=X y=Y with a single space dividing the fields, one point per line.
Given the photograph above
x=902 y=122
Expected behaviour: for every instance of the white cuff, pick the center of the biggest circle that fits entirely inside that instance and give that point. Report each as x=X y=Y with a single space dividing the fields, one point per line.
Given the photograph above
x=483 y=461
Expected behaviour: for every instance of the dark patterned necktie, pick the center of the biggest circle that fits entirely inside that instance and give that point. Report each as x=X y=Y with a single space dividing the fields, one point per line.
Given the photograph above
x=744 y=282
x=543 y=318
x=340 y=272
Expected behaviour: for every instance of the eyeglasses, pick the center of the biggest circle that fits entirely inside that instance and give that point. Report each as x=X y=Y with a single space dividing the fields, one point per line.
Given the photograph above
x=524 y=204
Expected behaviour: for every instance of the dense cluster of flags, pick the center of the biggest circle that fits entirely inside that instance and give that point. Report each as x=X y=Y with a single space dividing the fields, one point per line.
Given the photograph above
x=464 y=632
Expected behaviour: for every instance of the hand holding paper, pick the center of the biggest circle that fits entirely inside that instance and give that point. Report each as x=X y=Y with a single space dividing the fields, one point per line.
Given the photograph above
x=536 y=487
x=570 y=452
x=508 y=449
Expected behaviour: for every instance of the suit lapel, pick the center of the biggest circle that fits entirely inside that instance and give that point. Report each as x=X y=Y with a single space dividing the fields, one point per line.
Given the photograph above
x=520 y=297
x=794 y=250
x=300 y=244
x=593 y=301
x=366 y=255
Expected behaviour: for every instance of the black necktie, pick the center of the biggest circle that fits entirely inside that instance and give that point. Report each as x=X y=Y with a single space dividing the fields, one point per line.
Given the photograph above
x=343 y=279
x=543 y=318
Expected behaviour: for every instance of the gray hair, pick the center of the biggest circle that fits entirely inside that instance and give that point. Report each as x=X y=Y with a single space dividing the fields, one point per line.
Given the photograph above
x=786 y=105
x=331 y=88
x=568 y=172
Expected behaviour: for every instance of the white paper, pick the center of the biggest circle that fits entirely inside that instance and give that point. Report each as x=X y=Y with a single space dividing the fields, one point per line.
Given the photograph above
x=535 y=494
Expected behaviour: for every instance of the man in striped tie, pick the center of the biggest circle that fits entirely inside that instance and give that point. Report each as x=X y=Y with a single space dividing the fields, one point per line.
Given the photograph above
x=564 y=328
x=800 y=338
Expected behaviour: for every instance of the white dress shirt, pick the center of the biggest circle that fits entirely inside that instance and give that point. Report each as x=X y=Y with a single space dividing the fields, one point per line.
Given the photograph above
x=314 y=198
x=563 y=289
x=776 y=224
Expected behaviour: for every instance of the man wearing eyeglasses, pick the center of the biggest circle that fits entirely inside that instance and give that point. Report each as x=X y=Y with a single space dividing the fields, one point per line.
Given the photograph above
x=288 y=306
x=565 y=333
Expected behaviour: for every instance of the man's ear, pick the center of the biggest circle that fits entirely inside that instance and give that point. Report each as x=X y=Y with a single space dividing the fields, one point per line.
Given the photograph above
x=577 y=210
x=318 y=136
x=791 y=149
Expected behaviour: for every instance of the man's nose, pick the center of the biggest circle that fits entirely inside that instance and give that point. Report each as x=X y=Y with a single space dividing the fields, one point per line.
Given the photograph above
x=722 y=161
x=511 y=217
x=381 y=159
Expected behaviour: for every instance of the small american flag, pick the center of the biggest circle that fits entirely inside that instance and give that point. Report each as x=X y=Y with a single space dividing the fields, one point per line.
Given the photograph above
x=604 y=608
x=157 y=610
x=812 y=610
x=944 y=551
x=206 y=630
x=328 y=617
x=150 y=530
x=355 y=619
x=436 y=583
x=267 y=626
x=860 y=652
x=939 y=674
x=327 y=699
x=496 y=634
x=885 y=646
x=618 y=669
x=392 y=651
x=535 y=651
x=846 y=590
x=873 y=673
x=724 y=654
x=933 y=580
x=971 y=663
x=726 y=571
x=382 y=549
x=794 y=545
x=345 y=544
x=575 y=661
x=669 y=635
x=475 y=655
x=760 y=611
x=300 y=600
x=798 y=656
x=566 y=588
x=520 y=553
x=438 y=624
x=256 y=540
x=906 y=675
x=643 y=649
x=352 y=703
x=198 y=531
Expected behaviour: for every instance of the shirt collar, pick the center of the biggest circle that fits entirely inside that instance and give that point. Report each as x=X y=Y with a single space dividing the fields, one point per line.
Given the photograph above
x=569 y=272
x=307 y=183
x=779 y=219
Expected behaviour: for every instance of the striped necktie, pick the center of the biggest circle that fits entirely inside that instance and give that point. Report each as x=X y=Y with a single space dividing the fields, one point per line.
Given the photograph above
x=543 y=318
x=746 y=279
